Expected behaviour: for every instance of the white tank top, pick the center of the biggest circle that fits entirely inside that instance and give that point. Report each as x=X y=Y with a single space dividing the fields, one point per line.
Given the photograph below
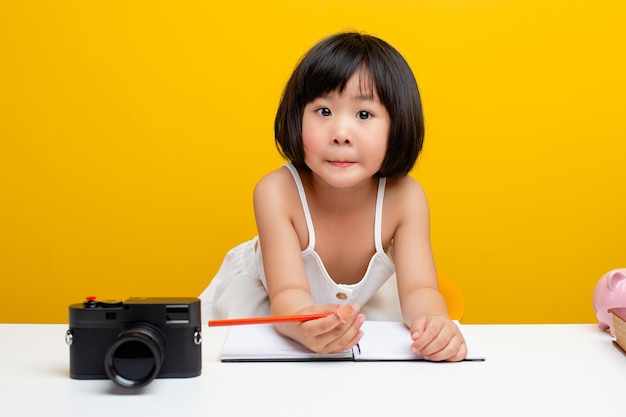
x=323 y=289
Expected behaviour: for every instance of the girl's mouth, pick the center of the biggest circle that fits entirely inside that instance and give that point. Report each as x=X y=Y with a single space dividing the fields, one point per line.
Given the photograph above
x=341 y=164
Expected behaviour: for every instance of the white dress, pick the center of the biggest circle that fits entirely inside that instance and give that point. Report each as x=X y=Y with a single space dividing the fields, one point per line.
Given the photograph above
x=239 y=289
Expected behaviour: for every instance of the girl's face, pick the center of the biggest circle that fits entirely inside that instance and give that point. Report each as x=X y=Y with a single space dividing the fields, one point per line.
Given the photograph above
x=345 y=134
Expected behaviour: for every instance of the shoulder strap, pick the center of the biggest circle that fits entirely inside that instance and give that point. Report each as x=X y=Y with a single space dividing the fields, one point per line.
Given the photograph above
x=378 y=221
x=305 y=204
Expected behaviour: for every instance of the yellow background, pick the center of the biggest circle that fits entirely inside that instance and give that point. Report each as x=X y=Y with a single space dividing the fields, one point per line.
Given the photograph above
x=132 y=134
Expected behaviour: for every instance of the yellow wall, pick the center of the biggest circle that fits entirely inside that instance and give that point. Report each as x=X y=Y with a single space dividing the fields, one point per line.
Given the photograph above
x=132 y=133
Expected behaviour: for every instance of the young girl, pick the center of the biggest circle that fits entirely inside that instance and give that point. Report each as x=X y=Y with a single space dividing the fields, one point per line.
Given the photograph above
x=343 y=216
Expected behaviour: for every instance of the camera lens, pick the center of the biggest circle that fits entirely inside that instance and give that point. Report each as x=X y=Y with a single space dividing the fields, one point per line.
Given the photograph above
x=136 y=356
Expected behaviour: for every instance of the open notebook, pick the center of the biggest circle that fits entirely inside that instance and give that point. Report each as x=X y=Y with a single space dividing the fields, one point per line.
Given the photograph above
x=381 y=341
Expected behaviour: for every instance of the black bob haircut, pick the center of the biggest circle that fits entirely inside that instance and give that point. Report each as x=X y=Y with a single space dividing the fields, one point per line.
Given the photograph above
x=327 y=67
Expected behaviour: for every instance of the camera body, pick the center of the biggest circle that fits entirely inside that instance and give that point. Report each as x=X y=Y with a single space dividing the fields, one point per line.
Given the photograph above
x=135 y=341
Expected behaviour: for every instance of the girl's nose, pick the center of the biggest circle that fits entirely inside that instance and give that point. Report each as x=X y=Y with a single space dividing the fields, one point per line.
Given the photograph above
x=341 y=141
x=341 y=134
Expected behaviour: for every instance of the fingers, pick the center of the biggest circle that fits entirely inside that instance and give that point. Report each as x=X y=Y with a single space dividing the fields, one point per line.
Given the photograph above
x=337 y=332
x=343 y=315
x=426 y=328
x=454 y=351
x=351 y=337
x=437 y=338
x=344 y=312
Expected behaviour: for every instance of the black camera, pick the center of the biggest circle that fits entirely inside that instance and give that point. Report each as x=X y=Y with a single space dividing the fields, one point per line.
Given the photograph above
x=135 y=341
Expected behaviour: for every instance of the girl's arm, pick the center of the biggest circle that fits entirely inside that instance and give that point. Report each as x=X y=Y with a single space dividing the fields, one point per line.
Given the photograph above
x=278 y=210
x=424 y=310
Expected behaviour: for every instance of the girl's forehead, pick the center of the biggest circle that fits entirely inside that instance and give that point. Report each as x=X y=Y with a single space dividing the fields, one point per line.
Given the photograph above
x=362 y=85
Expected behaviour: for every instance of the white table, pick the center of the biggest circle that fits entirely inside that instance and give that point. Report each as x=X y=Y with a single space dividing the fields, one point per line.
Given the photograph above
x=531 y=370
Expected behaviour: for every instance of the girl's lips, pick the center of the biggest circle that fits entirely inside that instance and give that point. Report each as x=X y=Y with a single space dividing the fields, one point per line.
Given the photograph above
x=341 y=164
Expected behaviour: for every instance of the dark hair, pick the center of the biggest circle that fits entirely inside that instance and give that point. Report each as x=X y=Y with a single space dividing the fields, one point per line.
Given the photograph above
x=327 y=67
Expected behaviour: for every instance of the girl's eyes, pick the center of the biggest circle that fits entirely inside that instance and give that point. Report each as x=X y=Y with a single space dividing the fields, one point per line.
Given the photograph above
x=324 y=111
x=362 y=114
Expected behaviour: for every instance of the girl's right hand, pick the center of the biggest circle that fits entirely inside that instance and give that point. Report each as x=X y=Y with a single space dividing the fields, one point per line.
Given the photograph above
x=335 y=333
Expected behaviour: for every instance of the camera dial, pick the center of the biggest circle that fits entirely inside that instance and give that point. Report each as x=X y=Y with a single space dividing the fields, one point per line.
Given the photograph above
x=92 y=302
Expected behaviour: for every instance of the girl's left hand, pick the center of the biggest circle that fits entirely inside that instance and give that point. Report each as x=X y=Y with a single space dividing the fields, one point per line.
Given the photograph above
x=437 y=338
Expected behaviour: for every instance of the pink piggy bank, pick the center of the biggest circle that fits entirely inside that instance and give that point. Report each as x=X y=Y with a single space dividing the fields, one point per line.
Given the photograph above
x=610 y=292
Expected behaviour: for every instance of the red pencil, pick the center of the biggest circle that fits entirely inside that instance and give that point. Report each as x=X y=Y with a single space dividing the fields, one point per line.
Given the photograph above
x=270 y=319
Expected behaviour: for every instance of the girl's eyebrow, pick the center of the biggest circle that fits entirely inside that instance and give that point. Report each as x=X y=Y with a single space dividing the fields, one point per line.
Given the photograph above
x=366 y=96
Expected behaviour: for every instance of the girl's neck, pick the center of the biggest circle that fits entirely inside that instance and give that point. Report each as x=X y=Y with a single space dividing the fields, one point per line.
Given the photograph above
x=329 y=196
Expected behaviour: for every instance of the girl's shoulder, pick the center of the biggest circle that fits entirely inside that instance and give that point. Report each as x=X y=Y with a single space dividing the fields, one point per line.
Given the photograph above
x=405 y=196
x=277 y=206
x=276 y=188
x=405 y=187
x=278 y=181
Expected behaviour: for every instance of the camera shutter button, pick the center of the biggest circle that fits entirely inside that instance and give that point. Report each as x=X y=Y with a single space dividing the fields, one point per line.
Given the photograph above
x=90 y=302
